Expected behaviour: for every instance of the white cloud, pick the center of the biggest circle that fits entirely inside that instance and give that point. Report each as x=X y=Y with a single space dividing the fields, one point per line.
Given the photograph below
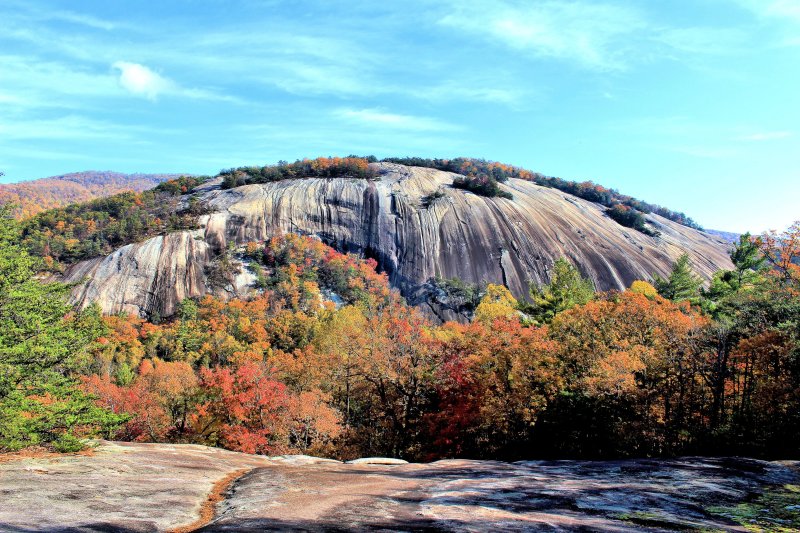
x=785 y=16
x=594 y=35
x=471 y=91
x=141 y=81
x=380 y=118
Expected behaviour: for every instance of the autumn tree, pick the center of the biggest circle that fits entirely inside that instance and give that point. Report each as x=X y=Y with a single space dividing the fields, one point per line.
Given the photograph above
x=782 y=252
x=395 y=369
x=495 y=379
x=497 y=302
x=243 y=408
x=631 y=373
x=160 y=401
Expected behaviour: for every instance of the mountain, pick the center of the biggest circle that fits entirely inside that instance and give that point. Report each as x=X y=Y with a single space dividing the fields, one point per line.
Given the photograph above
x=412 y=221
x=728 y=236
x=42 y=194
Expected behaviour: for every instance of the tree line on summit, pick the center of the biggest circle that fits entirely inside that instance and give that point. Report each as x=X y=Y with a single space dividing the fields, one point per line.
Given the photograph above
x=475 y=175
x=665 y=367
x=77 y=232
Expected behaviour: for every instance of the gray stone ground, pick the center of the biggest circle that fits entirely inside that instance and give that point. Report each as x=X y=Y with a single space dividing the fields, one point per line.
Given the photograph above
x=155 y=487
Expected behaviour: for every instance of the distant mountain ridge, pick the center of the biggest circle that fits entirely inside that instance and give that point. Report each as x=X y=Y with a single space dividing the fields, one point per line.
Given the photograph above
x=729 y=236
x=39 y=195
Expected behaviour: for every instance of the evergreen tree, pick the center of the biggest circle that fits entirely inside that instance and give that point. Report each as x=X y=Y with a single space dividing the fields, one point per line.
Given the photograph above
x=567 y=288
x=749 y=267
x=39 y=400
x=748 y=259
x=682 y=283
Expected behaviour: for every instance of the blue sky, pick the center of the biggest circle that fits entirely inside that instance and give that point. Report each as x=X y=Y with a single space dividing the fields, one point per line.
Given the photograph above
x=694 y=104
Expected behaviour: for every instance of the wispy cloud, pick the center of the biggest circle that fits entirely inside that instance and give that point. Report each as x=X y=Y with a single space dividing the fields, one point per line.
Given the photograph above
x=601 y=36
x=593 y=35
x=140 y=80
x=383 y=119
x=68 y=127
x=784 y=16
x=780 y=9
x=470 y=90
x=80 y=19
x=765 y=136
x=701 y=40
x=295 y=59
x=34 y=83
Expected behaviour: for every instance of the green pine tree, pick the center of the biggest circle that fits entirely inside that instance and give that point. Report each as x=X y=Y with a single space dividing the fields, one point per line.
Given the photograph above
x=39 y=400
x=682 y=283
x=748 y=259
x=567 y=288
x=748 y=275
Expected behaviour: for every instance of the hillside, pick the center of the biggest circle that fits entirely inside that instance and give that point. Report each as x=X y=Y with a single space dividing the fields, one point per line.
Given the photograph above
x=42 y=194
x=322 y=357
x=413 y=222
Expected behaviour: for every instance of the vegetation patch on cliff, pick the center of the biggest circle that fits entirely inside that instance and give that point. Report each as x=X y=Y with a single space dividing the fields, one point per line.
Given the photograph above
x=321 y=167
x=482 y=176
x=77 y=232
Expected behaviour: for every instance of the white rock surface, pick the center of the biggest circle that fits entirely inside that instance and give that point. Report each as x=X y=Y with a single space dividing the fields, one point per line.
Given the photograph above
x=157 y=487
x=377 y=461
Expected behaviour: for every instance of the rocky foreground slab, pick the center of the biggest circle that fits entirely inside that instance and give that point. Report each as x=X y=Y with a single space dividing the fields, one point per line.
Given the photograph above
x=158 y=487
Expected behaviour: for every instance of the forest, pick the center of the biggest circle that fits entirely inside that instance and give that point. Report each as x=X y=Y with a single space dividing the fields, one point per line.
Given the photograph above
x=329 y=360
x=33 y=197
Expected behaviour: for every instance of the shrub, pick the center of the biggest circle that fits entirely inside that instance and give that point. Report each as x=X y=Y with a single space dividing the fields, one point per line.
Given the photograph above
x=484 y=186
x=629 y=217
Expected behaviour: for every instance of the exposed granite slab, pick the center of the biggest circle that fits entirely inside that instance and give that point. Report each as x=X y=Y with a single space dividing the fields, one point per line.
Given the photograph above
x=460 y=495
x=121 y=487
x=157 y=487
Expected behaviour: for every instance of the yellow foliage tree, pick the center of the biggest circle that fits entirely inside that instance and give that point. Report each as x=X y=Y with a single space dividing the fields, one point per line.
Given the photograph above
x=642 y=287
x=497 y=303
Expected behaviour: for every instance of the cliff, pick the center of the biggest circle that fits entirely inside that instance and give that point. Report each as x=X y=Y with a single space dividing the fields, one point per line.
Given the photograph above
x=461 y=235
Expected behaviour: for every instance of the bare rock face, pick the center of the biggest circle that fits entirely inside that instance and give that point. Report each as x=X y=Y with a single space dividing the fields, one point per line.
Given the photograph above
x=121 y=487
x=134 y=487
x=461 y=235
